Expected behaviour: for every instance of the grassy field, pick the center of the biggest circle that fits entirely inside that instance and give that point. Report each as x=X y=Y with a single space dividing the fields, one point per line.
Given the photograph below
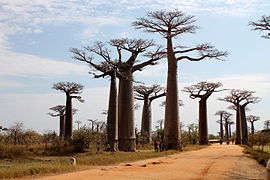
x=54 y=164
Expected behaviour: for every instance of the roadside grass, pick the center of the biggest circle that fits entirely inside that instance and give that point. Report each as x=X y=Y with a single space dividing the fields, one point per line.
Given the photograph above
x=41 y=165
x=265 y=149
x=258 y=155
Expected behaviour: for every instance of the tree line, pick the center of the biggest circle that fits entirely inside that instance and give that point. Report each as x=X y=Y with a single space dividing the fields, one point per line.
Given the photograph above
x=119 y=59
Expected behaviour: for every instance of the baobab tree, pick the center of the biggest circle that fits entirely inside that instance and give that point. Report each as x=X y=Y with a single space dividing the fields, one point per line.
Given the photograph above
x=59 y=111
x=203 y=90
x=240 y=99
x=230 y=123
x=220 y=121
x=69 y=88
x=125 y=69
x=227 y=123
x=262 y=25
x=171 y=25
x=266 y=124
x=252 y=119
x=148 y=94
x=108 y=69
x=93 y=124
x=78 y=123
x=160 y=124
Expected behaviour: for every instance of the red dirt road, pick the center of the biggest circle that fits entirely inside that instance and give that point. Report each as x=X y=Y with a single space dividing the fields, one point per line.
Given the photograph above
x=215 y=162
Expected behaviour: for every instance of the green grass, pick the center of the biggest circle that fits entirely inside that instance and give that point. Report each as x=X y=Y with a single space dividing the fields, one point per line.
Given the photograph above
x=41 y=165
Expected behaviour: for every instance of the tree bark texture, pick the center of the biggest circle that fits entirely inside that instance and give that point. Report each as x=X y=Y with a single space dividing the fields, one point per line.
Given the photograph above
x=238 y=126
x=221 y=127
x=62 y=126
x=69 y=118
x=146 y=120
x=226 y=130
x=112 y=118
x=171 y=124
x=127 y=137
x=244 y=129
x=252 y=128
x=203 y=129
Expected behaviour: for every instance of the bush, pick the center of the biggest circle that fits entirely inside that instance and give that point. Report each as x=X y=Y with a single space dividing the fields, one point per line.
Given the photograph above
x=12 y=152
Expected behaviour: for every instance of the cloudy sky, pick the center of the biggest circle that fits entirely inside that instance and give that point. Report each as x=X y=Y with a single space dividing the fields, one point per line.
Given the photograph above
x=36 y=35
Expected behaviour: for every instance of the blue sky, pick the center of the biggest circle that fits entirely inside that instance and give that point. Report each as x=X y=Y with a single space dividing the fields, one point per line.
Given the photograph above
x=35 y=37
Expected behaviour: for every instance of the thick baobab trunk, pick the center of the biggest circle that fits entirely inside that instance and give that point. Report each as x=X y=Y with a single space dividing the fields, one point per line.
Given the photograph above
x=171 y=124
x=226 y=130
x=244 y=129
x=112 y=118
x=146 y=120
x=69 y=118
x=252 y=127
x=127 y=137
x=62 y=126
x=203 y=130
x=221 y=127
x=238 y=126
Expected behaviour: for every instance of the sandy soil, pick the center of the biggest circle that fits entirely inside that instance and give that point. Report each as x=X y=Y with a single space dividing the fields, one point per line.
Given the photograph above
x=215 y=162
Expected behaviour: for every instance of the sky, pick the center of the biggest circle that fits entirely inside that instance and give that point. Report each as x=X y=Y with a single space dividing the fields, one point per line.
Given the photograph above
x=36 y=35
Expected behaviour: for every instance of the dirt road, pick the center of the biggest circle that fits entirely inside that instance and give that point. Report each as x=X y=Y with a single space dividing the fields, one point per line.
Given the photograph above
x=212 y=163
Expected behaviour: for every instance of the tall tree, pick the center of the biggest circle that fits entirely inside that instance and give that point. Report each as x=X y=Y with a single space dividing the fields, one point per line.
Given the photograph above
x=203 y=90
x=262 y=25
x=125 y=70
x=170 y=25
x=240 y=99
x=227 y=117
x=147 y=94
x=108 y=69
x=59 y=111
x=69 y=88
x=220 y=121
x=230 y=123
x=135 y=47
x=252 y=119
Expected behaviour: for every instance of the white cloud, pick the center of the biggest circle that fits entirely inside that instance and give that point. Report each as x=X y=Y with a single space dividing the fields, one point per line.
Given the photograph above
x=12 y=63
x=5 y=84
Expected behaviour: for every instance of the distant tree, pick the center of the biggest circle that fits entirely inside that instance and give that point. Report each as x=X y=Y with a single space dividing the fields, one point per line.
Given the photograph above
x=69 y=88
x=193 y=133
x=252 y=119
x=227 y=120
x=240 y=99
x=78 y=123
x=160 y=124
x=148 y=94
x=267 y=124
x=93 y=123
x=59 y=111
x=262 y=25
x=170 y=25
x=16 y=132
x=230 y=123
x=203 y=90
x=220 y=121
